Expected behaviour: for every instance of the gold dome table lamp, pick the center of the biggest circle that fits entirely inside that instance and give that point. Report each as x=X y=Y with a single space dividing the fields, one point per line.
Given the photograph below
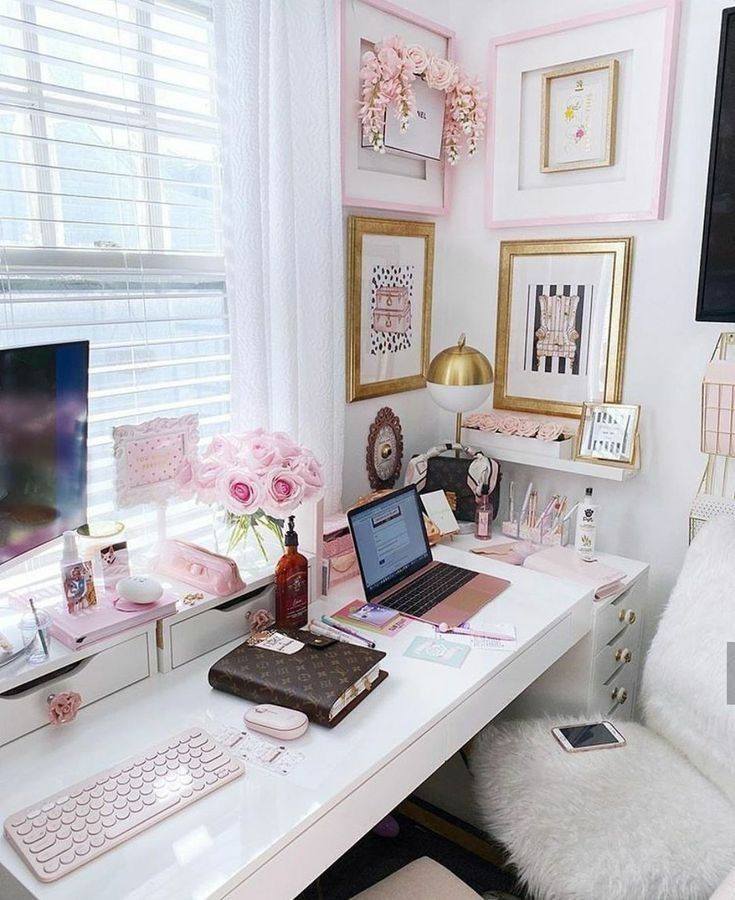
x=459 y=379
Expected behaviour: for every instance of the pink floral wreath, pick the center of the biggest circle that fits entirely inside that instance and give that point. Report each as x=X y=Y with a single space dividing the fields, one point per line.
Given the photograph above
x=387 y=74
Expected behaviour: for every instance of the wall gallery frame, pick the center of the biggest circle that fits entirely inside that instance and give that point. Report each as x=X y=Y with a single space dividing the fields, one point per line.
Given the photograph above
x=398 y=180
x=389 y=288
x=561 y=326
x=631 y=185
x=579 y=115
x=608 y=435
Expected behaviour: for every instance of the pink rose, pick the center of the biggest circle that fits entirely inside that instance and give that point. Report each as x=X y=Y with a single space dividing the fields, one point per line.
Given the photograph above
x=185 y=486
x=419 y=58
x=205 y=480
x=549 y=432
x=309 y=470
x=509 y=425
x=288 y=451
x=284 y=491
x=527 y=428
x=63 y=707
x=224 y=447
x=440 y=73
x=390 y=61
x=239 y=491
x=259 y=451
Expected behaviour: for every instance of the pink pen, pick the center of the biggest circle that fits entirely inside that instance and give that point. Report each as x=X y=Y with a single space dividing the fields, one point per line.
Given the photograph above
x=445 y=629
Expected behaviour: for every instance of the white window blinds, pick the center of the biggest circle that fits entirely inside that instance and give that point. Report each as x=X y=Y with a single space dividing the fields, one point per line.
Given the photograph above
x=110 y=206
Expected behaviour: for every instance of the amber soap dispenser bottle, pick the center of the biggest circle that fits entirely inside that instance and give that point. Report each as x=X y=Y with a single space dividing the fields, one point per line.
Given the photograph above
x=292 y=584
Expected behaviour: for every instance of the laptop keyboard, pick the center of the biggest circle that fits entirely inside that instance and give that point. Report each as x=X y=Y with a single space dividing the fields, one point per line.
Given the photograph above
x=423 y=594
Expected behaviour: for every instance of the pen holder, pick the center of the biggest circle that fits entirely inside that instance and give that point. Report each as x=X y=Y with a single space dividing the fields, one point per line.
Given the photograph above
x=537 y=534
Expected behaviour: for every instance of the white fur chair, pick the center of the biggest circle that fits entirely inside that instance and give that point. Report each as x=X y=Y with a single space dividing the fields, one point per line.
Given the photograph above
x=654 y=820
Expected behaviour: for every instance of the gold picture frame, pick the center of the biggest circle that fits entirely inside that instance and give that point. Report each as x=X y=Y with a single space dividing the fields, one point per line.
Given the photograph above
x=384 y=344
x=608 y=435
x=575 y=73
x=581 y=270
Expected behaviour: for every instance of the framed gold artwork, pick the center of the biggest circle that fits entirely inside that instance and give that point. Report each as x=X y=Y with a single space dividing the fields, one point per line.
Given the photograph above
x=578 y=116
x=561 y=325
x=608 y=435
x=389 y=284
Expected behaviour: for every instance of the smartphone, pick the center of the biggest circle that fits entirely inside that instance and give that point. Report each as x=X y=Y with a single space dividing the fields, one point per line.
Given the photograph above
x=592 y=736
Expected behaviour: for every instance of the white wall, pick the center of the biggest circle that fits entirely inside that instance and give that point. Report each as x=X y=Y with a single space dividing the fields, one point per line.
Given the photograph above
x=666 y=349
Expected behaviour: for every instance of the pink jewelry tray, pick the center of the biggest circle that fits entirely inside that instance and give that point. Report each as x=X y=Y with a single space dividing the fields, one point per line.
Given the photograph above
x=103 y=620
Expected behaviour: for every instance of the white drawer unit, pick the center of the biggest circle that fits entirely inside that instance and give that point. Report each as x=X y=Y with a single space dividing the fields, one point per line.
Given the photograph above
x=600 y=674
x=97 y=674
x=195 y=630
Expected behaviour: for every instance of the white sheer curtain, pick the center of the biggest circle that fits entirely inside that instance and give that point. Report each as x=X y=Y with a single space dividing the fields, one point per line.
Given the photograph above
x=282 y=220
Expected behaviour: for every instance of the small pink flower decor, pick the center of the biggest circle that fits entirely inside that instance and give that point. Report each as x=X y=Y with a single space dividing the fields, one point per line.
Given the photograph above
x=257 y=479
x=387 y=75
x=63 y=707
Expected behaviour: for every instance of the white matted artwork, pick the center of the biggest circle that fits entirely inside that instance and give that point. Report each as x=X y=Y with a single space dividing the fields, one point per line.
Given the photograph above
x=411 y=177
x=579 y=116
x=389 y=309
x=629 y=185
x=561 y=324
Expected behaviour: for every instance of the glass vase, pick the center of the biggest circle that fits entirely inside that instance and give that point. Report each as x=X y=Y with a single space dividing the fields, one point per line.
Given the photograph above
x=250 y=540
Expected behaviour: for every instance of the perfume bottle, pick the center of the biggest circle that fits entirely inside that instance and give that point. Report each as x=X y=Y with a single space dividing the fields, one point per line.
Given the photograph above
x=292 y=583
x=484 y=515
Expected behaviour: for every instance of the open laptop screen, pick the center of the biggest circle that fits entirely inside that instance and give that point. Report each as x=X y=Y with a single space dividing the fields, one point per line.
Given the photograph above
x=390 y=540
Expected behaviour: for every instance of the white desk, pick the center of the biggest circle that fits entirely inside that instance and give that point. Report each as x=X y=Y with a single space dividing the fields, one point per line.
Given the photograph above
x=267 y=835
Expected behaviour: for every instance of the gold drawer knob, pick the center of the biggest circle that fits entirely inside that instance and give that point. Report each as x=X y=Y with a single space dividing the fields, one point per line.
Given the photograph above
x=622 y=654
x=627 y=616
x=620 y=695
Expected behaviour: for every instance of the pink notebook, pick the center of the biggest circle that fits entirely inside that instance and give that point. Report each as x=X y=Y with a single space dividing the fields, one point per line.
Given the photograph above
x=100 y=622
x=565 y=562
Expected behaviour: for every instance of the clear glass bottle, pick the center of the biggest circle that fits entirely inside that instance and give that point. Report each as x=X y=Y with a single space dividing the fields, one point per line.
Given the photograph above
x=484 y=515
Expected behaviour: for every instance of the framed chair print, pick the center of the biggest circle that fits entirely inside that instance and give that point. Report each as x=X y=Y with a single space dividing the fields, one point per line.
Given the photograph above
x=390 y=274
x=562 y=313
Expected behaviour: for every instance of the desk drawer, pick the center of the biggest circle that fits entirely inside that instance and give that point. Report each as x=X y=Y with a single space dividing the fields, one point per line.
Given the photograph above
x=198 y=634
x=623 y=653
x=617 y=695
x=617 y=618
x=25 y=708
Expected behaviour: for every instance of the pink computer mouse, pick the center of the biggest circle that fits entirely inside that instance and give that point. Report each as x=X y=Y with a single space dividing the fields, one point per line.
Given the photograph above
x=276 y=721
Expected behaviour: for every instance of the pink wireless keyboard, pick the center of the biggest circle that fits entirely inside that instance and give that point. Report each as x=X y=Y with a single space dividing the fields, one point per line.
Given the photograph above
x=75 y=826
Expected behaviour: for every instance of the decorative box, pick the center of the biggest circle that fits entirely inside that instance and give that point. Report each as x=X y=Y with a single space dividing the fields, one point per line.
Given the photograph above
x=338 y=550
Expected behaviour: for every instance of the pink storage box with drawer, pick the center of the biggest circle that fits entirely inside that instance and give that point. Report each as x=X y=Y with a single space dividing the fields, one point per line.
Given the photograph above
x=339 y=550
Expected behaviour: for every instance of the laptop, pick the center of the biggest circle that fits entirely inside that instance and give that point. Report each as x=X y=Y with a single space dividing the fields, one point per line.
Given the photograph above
x=399 y=572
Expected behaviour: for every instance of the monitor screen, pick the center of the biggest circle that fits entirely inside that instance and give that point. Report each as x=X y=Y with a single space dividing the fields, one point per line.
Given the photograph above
x=43 y=444
x=390 y=540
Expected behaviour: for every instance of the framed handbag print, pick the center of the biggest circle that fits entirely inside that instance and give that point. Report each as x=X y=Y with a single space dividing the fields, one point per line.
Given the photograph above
x=390 y=275
x=562 y=314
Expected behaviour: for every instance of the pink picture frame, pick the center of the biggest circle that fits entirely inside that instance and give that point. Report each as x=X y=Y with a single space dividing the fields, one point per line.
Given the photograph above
x=350 y=196
x=654 y=208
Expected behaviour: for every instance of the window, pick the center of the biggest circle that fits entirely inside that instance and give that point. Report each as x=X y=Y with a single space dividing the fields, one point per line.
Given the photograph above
x=110 y=207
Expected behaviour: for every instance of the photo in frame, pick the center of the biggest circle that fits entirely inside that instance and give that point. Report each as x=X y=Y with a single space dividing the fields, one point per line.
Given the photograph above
x=409 y=178
x=561 y=324
x=579 y=114
x=643 y=39
x=150 y=456
x=390 y=276
x=608 y=434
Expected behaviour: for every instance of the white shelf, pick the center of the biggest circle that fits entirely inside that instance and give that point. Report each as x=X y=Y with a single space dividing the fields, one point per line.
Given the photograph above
x=478 y=439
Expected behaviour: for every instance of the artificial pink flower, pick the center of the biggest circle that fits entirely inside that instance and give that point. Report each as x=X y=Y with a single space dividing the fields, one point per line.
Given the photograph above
x=508 y=425
x=288 y=450
x=239 y=491
x=63 y=707
x=309 y=470
x=224 y=447
x=527 y=428
x=284 y=491
x=549 y=432
x=259 y=451
x=440 y=74
x=418 y=57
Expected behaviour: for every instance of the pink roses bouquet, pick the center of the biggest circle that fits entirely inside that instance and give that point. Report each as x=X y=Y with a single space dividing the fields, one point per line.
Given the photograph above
x=387 y=74
x=257 y=478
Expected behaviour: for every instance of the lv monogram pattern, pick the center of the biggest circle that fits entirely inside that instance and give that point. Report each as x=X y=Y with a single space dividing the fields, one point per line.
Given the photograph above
x=311 y=680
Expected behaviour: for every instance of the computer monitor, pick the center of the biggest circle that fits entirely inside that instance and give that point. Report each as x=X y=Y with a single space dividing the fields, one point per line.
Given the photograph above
x=390 y=540
x=43 y=444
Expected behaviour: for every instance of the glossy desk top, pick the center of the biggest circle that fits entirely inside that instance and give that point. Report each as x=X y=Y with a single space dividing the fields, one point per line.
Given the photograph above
x=225 y=842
